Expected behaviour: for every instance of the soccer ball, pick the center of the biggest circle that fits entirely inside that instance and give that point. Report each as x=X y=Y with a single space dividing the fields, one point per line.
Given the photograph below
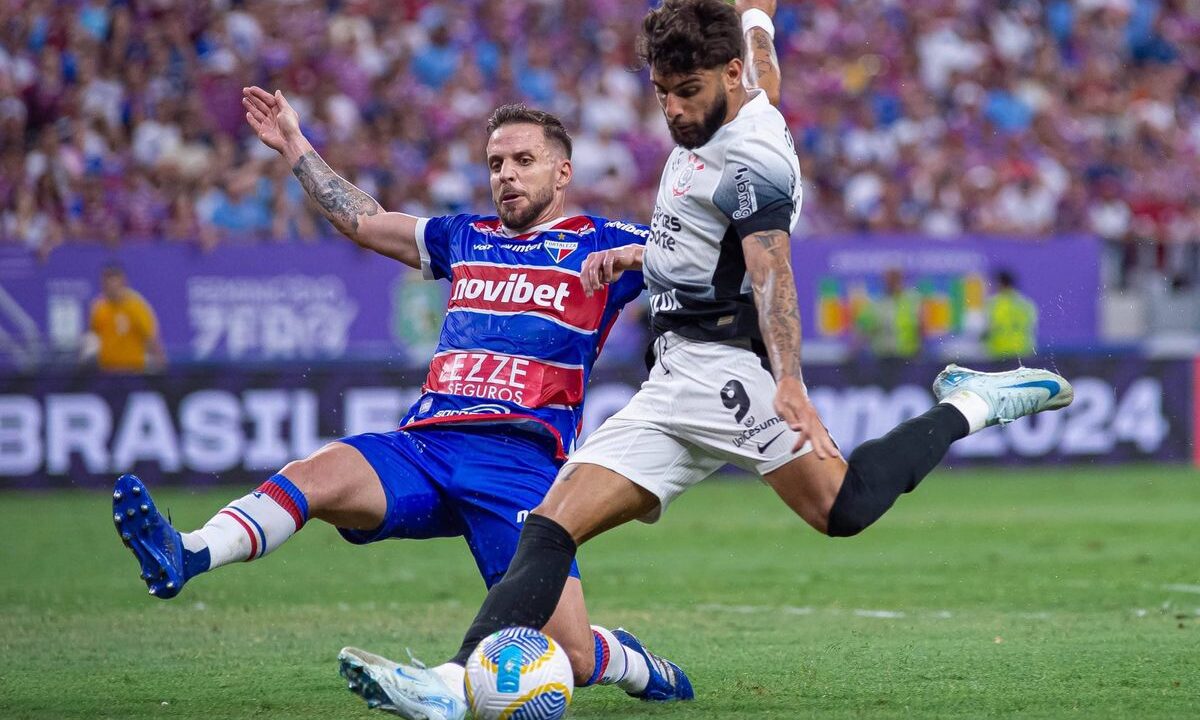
x=518 y=674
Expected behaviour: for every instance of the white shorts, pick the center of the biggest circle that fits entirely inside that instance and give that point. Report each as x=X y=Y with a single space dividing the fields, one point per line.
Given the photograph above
x=704 y=405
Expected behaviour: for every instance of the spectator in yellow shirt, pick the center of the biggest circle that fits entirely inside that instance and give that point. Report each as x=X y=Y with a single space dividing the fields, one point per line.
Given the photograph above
x=125 y=327
x=1012 y=321
x=892 y=323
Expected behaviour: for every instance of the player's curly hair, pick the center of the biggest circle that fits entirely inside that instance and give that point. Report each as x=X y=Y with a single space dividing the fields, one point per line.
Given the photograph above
x=683 y=36
x=521 y=113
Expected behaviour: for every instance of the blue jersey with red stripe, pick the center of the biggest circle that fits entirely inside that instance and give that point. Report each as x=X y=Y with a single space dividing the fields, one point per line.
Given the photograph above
x=520 y=335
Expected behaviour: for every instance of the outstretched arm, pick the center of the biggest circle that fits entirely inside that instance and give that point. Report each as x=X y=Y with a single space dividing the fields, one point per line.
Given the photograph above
x=607 y=266
x=353 y=212
x=769 y=263
x=762 y=64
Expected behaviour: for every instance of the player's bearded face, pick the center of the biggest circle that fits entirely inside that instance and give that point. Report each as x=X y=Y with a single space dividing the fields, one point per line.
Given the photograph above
x=695 y=105
x=523 y=172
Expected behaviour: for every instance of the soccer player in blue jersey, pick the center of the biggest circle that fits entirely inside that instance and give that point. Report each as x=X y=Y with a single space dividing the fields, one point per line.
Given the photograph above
x=499 y=410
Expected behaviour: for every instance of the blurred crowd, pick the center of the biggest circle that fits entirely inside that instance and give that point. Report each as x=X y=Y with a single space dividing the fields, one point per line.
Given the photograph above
x=121 y=120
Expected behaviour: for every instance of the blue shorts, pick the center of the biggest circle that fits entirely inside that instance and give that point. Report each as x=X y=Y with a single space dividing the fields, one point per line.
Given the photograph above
x=479 y=483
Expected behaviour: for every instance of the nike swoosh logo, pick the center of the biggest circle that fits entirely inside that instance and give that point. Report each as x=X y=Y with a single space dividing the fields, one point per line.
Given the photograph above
x=762 y=447
x=446 y=706
x=1049 y=386
x=401 y=673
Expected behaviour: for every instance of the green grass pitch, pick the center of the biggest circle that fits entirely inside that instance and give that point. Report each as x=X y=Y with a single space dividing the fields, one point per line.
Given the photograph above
x=1005 y=593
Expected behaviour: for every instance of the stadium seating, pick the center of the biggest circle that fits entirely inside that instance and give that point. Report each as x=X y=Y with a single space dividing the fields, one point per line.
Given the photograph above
x=121 y=121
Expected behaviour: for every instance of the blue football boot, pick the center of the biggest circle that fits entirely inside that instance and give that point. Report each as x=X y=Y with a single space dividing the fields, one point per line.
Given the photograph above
x=668 y=681
x=157 y=546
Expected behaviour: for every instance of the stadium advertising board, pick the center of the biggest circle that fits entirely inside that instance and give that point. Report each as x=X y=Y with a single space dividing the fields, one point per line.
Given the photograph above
x=253 y=303
x=192 y=425
x=332 y=301
x=836 y=277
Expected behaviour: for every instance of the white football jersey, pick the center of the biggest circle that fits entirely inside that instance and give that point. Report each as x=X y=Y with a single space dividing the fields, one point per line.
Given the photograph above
x=745 y=179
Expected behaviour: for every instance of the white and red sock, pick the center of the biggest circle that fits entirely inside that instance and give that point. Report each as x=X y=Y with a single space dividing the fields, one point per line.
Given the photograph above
x=616 y=664
x=251 y=526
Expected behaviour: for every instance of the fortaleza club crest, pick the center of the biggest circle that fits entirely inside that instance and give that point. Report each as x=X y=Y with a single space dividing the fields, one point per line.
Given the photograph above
x=559 y=247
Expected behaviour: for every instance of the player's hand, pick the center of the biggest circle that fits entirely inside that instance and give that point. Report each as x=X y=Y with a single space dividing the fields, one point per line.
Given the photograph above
x=271 y=117
x=607 y=266
x=767 y=6
x=794 y=406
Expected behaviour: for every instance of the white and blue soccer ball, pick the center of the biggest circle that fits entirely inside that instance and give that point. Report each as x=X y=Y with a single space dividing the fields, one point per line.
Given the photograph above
x=519 y=674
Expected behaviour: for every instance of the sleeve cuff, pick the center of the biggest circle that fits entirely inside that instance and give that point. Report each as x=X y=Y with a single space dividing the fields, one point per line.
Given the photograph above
x=426 y=266
x=777 y=216
x=755 y=18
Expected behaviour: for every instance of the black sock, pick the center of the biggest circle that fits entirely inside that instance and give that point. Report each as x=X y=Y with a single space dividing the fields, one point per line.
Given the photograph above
x=879 y=471
x=529 y=592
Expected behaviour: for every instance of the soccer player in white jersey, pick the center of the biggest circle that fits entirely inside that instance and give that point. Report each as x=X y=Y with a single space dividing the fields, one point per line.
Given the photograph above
x=726 y=385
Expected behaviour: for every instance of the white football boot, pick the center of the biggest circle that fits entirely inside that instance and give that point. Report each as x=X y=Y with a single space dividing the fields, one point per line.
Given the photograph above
x=410 y=691
x=998 y=398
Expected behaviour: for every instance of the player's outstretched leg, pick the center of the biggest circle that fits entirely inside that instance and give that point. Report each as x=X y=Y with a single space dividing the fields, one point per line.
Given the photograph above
x=245 y=529
x=335 y=484
x=881 y=470
x=843 y=499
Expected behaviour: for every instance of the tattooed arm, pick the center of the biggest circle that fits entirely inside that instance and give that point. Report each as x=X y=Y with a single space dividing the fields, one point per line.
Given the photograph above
x=769 y=264
x=762 y=64
x=353 y=212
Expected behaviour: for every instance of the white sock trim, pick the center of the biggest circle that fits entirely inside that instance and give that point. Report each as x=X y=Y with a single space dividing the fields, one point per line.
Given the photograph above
x=193 y=542
x=637 y=673
x=973 y=407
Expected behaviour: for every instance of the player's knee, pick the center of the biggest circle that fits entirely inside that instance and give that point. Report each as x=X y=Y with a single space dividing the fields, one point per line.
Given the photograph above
x=298 y=472
x=302 y=473
x=843 y=525
x=845 y=516
x=318 y=475
x=854 y=508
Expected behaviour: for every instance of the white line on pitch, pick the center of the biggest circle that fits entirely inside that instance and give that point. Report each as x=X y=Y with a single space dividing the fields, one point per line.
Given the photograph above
x=755 y=609
x=894 y=614
x=885 y=614
x=792 y=610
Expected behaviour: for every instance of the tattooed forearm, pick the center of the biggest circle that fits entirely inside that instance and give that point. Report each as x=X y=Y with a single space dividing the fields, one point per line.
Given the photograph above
x=762 y=63
x=768 y=260
x=340 y=202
